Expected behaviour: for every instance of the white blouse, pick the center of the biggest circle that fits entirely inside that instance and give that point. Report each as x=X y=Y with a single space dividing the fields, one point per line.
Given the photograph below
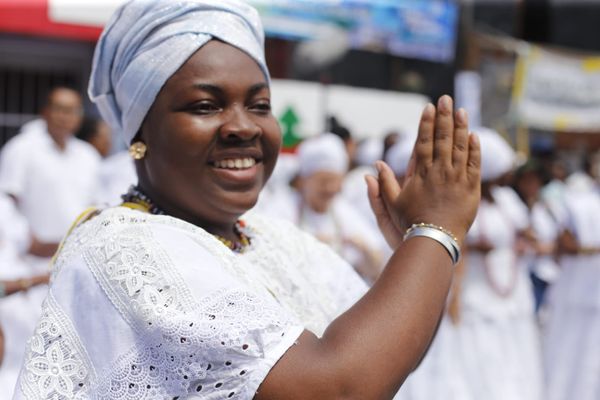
x=53 y=186
x=150 y=307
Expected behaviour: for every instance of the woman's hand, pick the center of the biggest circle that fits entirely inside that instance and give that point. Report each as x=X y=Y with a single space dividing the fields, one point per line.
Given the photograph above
x=442 y=186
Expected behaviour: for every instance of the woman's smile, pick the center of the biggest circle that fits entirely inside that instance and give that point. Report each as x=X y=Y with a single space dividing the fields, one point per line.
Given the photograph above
x=243 y=171
x=217 y=137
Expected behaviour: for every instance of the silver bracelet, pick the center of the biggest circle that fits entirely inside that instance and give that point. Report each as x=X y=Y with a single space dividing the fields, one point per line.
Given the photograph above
x=439 y=235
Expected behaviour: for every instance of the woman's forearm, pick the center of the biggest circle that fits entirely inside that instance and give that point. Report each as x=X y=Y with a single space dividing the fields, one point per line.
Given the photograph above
x=368 y=351
x=393 y=324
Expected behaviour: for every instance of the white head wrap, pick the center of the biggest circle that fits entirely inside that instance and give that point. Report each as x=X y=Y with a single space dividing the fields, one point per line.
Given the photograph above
x=398 y=156
x=324 y=152
x=146 y=42
x=369 y=151
x=497 y=157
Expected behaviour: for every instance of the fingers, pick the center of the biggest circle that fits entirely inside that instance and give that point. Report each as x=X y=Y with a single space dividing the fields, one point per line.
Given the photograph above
x=412 y=166
x=460 y=150
x=474 y=160
x=444 y=131
x=423 y=151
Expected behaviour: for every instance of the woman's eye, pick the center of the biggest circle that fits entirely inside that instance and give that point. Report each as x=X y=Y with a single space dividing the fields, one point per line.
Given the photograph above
x=205 y=107
x=261 y=107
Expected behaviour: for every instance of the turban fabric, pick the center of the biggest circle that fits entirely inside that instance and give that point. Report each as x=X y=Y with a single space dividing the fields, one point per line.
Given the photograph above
x=369 y=151
x=147 y=41
x=324 y=152
x=398 y=156
x=497 y=157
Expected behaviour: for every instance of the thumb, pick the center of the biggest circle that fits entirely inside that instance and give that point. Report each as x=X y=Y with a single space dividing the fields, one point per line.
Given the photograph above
x=412 y=166
x=375 y=199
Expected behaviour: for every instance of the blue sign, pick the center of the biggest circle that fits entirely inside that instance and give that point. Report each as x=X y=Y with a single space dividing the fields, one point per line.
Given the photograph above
x=424 y=29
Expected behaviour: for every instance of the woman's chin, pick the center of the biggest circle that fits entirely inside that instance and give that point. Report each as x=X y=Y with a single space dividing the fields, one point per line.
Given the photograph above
x=239 y=203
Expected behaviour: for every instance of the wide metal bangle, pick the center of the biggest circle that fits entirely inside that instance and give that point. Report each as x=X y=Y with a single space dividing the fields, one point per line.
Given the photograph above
x=439 y=235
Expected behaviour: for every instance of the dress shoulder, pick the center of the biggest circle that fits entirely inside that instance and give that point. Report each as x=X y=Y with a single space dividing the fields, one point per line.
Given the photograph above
x=151 y=307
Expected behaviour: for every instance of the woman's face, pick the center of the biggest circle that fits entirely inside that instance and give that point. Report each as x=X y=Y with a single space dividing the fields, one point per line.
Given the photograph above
x=212 y=140
x=319 y=189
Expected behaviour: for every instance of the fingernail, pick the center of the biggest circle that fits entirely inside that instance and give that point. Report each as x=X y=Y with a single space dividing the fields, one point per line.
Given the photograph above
x=378 y=166
x=461 y=116
x=429 y=110
x=444 y=103
x=474 y=138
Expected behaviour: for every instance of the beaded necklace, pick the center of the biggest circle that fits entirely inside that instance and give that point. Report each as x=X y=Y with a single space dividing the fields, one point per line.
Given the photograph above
x=136 y=199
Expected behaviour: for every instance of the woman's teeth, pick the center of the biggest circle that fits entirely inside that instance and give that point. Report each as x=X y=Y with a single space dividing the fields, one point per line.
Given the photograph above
x=237 y=163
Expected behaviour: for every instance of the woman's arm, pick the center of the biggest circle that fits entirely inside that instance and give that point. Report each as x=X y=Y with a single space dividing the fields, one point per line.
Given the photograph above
x=1 y=346
x=369 y=350
x=42 y=249
x=20 y=285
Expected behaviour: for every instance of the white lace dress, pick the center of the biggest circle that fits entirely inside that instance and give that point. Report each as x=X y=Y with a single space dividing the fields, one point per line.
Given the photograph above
x=150 y=307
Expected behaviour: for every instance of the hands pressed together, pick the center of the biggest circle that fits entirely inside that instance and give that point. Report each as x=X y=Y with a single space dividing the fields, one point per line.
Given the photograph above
x=442 y=185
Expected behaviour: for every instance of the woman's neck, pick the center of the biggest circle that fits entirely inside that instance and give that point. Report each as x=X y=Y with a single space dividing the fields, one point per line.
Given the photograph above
x=225 y=227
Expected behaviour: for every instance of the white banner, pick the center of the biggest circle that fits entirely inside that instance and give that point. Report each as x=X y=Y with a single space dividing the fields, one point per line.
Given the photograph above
x=301 y=108
x=557 y=91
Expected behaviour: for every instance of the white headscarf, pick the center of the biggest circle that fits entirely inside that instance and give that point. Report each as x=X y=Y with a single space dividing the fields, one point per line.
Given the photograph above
x=369 y=151
x=497 y=157
x=146 y=42
x=398 y=156
x=324 y=152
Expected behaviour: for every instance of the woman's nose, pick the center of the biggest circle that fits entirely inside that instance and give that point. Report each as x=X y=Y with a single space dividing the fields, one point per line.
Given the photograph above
x=239 y=125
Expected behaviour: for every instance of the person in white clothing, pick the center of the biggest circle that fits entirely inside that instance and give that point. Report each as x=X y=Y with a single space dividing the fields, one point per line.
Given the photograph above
x=497 y=336
x=542 y=232
x=52 y=175
x=318 y=207
x=177 y=293
x=51 y=178
x=117 y=171
x=571 y=345
x=19 y=310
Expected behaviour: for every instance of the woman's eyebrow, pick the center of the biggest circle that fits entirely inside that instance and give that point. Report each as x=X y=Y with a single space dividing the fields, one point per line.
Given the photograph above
x=254 y=89
x=213 y=89
x=218 y=91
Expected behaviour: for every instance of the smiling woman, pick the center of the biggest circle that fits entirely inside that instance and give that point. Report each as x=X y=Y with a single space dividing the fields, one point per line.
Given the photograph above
x=178 y=293
x=217 y=139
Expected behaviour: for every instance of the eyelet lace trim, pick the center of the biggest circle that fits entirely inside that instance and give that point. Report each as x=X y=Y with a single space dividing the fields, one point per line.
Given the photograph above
x=185 y=346
x=183 y=359
x=56 y=364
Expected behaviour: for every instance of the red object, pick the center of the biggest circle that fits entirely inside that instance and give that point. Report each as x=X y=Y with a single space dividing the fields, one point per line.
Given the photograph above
x=30 y=17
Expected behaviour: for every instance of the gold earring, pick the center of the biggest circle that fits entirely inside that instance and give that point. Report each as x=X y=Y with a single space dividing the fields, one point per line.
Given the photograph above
x=137 y=150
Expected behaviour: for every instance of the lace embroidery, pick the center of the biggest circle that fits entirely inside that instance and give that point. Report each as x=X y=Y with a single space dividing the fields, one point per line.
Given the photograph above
x=56 y=365
x=185 y=346
x=280 y=273
x=203 y=353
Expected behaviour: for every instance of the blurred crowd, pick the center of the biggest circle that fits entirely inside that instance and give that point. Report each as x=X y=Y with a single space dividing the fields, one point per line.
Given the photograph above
x=523 y=315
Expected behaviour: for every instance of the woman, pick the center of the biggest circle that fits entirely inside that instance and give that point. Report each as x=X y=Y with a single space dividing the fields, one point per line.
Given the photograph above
x=571 y=346
x=172 y=295
x=497 y=334
x=318 y=207
x=542 y=232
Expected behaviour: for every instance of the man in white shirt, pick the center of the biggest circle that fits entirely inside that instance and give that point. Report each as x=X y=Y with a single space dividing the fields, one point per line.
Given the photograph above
x=51 y=175
x=52 y=178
